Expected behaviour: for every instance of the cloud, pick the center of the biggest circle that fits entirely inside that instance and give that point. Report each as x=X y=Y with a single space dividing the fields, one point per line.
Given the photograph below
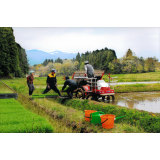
x=142 y=41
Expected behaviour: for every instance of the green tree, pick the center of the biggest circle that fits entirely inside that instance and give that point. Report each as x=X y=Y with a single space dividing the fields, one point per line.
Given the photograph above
x=78 y=57
x=129 y=53
x=9 y=51
x=76 y=65
x=115 y=66
x=82 y=66
x=150 y=64
x=5 y=59
x=58 y=60
x=23 y=62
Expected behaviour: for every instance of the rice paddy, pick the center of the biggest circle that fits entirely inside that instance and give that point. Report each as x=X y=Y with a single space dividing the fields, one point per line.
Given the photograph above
x=15 y=119
x=63 y=113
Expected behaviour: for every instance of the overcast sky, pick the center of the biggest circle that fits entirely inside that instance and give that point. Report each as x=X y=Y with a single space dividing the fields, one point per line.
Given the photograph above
x=143 y=41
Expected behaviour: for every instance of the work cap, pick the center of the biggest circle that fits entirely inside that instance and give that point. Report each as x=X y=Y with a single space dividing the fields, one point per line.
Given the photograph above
x=86 y=62
x=31 y=71
x=67 y=77
x=53 y=70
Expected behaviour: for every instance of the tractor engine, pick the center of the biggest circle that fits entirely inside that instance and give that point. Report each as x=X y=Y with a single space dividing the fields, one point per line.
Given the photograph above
x=101 y=83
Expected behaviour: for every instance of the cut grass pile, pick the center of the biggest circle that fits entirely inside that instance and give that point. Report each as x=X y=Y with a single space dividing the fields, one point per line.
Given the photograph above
x=15 y=119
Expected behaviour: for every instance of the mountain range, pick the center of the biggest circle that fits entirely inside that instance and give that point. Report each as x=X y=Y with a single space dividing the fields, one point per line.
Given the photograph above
x=37 y=57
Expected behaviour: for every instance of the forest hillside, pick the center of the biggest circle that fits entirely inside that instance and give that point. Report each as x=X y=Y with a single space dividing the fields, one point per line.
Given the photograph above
x=13 y=58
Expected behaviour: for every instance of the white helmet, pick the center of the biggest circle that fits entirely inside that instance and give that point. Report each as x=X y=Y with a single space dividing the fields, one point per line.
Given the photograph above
x=86 y=62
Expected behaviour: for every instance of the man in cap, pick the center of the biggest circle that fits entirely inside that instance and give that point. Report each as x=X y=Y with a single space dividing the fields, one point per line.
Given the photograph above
x=52 y=82
x=72 y=86
x=89 y=71
x=30 y=79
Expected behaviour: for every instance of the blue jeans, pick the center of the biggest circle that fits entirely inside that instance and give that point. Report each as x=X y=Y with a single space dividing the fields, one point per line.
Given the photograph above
x=31 y=88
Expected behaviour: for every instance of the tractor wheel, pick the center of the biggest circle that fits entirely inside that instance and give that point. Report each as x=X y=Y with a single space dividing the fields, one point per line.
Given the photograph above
x=79 y=93
x=103 y=98
x=113 y=97
x=108 y=98
x=87 y=96
x=94 y=97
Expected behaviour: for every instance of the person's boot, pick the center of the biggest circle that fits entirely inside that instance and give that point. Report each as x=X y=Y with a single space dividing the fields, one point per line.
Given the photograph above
x=59 y=94
x=30 y=93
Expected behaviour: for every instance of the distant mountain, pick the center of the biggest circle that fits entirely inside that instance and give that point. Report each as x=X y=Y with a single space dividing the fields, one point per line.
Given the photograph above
x=38 y=57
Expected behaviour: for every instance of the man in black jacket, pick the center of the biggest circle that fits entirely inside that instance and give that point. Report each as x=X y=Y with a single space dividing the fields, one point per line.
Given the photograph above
x=52 y=82
x=72 y=86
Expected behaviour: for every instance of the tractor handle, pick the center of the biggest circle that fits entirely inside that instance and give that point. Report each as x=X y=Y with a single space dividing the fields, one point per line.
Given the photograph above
x=73 y=75
x=102 y=76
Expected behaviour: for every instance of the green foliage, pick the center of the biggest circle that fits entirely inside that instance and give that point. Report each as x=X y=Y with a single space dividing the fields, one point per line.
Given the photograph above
x=47 y=61
x=58 y=60
x=99 y=59
x=13 y=57
x=23 y=62
x=132 y=64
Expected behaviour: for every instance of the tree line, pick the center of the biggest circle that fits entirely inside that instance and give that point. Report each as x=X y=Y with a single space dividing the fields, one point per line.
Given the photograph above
x=46 y=61
x=104 y=59
x=14 y=60
x=130 y=63
x=13 y=57
x=99 y=59
x=67 y=67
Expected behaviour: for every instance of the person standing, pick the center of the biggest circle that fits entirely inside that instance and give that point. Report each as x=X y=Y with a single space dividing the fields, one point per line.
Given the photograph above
x=89 y=71
x=52 y=82
x=72 y=86
x=30 y=79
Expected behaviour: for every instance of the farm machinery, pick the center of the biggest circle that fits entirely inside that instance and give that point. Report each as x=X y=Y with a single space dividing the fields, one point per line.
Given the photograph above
x=92 y=87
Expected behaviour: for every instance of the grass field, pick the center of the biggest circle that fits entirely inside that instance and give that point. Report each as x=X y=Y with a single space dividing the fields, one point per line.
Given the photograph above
x=138 y=77
x=15 y=119
x=20 y=84
x=72 y=112
x=137 y=88
x=4 y=89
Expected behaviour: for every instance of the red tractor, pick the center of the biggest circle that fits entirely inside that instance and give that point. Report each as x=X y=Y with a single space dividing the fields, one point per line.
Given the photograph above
x=94 y=87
